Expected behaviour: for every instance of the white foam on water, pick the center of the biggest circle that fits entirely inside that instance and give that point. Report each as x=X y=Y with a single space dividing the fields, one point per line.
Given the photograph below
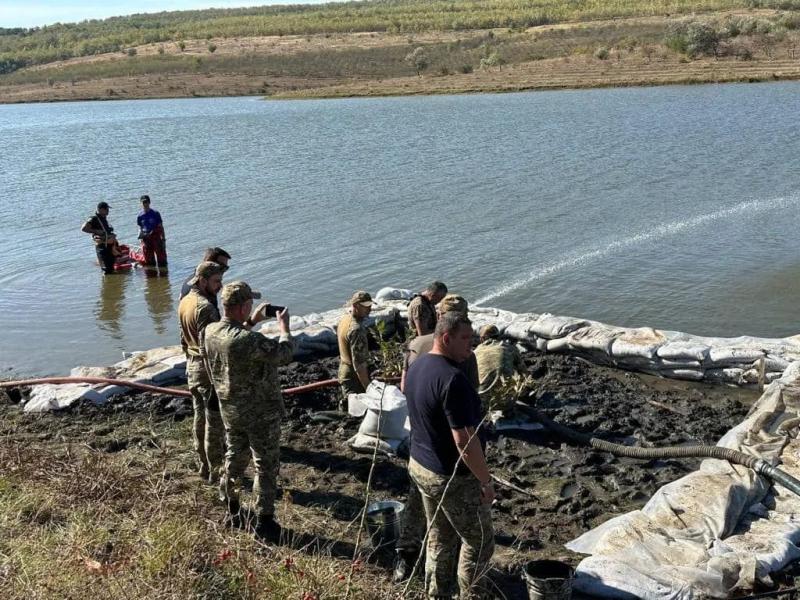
x=659 y=232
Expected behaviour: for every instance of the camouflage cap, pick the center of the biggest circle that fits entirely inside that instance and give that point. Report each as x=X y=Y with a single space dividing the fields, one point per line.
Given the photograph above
x=360 y=297
x=453 y=303
x=205 y=270
x=489 y=331
x=237 y=292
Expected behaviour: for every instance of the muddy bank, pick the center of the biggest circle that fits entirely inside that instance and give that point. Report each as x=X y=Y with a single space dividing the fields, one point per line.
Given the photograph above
x=575 y=488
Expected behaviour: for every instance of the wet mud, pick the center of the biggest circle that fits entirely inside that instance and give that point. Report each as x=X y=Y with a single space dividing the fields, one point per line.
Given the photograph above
x=572 y=488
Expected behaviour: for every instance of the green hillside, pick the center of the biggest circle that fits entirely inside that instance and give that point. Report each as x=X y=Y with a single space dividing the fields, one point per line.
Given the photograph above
x=25 y=47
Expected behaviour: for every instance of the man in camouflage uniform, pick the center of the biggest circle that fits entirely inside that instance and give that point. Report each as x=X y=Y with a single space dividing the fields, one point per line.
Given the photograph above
x=448 y=463
x=244 y=368
x=413 y=523
x=351 y=333
x=422 y=309
x=196 y=311
x=498 y=362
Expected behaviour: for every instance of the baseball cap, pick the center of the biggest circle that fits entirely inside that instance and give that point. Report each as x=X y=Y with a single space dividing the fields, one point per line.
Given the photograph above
x=237 y=292
x=453 y=303
x=360 y=297
x=489 y=331
x=101 y=205
x=205 y=270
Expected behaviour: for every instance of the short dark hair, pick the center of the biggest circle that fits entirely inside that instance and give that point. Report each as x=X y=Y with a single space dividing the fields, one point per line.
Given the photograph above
x=145 y=198
x=449 y=323
x=437 y=287
x=212 y=254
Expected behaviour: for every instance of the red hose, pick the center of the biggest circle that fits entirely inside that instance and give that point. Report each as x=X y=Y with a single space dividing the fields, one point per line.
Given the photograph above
x=153 y=388
x=150 y=388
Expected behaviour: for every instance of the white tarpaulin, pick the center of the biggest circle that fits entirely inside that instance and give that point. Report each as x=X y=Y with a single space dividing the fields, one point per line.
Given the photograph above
x=715 y=530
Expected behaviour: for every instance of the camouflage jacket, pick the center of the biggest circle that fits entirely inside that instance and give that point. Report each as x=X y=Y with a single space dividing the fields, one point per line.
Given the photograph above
x=243 y=366
x=422 y=312
x=195 y=313
x=353 y=343
x=497 y=358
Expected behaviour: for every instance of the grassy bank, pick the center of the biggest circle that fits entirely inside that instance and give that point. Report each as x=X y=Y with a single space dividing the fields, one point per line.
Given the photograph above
x=732 y=45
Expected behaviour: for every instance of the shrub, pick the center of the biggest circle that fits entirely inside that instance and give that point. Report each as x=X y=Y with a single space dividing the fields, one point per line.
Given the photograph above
x=601 y=53
x=466 y=69
x=161 y=50
x=131 y=51
x=701 y=39
x=212 y=48
x=181 y=45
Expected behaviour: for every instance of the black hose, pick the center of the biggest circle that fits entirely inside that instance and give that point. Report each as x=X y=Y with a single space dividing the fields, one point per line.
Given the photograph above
x=759 y=465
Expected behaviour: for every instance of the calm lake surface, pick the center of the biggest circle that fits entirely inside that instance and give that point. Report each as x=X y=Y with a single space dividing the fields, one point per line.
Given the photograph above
x=672 y=207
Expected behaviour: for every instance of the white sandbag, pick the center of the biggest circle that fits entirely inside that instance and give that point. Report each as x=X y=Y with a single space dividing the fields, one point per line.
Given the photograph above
x=687 y=374
x=48 y=396
x=107 y=372
x=642 y=342
x=678 y=364
x=156 y=374
x=730 y=375
x=773 y=363
x=137 y=360
x=366 y=444
x=106 y=392
x=595 y=337
x=683 y=350
x=553 y=327
x=559 y=345
x=520 y=327
x=720 y=356
x=387 y=411
x=390 y=293
x=541 y=344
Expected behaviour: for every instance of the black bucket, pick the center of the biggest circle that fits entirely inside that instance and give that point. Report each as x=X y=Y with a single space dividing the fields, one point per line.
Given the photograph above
x=549 y=580
x=383 y=523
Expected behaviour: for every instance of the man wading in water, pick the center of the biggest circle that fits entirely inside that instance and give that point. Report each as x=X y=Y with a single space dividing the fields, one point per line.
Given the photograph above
x=151 y=233
x=103 y=235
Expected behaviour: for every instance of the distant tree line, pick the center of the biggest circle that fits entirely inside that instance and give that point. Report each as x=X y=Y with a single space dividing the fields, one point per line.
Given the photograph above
x=20 y=47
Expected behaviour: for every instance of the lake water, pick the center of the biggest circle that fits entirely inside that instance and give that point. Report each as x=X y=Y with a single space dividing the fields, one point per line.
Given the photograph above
x=672 y=207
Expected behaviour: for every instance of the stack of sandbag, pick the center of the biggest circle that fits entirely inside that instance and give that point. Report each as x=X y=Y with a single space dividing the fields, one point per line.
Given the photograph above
x=159 y=366
x=385 y=418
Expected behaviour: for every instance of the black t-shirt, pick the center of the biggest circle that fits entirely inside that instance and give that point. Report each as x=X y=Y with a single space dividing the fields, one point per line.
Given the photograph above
x=440 y=399
x=98 y=221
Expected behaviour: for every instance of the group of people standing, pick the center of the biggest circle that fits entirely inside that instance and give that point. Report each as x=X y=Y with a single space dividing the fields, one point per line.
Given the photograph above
x=232 y=374
x=449 y=390
x=111 y=254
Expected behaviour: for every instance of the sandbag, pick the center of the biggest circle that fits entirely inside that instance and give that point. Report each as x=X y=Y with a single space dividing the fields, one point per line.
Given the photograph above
x=553 y=327
x=594 y=337
x=683 y=350
x=642 y=342
x=732 y=355
x=687 y=374
x=520 y=327
x=48 y=396
x=390 y=293
x=730 y=375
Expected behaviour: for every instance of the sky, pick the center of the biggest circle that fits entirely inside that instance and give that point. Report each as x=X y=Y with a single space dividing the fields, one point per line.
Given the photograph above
x=31 y=13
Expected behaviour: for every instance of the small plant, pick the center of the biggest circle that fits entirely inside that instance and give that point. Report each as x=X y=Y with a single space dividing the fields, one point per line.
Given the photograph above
x=466 y=69
x=601 y=53
x=131 y=52
x=212 y=48
x=181 y=45
x=418 y=59
x=390 y=350
x=161 y=50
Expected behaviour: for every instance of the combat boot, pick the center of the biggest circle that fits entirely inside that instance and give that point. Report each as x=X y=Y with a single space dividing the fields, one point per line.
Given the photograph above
x=403 y=565
x=268 y=529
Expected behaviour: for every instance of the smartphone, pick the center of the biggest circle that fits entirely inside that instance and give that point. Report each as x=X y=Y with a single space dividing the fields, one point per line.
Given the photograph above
x=272 y=310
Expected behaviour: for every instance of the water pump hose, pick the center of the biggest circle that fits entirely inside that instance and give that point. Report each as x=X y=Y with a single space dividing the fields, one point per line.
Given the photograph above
x=759 y=465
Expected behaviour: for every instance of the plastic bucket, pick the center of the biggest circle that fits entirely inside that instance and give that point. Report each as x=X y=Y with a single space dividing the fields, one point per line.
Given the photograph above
x=548 y=580
x=383 y=523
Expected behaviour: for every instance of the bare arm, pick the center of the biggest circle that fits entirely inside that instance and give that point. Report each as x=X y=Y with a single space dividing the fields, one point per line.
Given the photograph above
x=468 y=442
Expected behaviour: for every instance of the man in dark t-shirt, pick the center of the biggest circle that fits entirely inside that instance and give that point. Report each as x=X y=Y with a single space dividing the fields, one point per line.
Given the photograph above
x=103 y=235
x=447 y=456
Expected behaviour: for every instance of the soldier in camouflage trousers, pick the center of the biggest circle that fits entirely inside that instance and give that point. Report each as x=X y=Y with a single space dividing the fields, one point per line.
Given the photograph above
x=196 y=311
x=354 y=346
x=244 y=369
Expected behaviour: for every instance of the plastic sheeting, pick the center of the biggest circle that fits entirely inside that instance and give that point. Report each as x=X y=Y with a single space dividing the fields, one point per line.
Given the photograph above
x=716 y=530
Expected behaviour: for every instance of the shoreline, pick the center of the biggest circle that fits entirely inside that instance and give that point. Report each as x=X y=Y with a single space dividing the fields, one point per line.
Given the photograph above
x=402 y=88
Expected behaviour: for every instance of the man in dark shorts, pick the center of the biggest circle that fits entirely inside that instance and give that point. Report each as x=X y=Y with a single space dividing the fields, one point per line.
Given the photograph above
x=448 y=464
x=103 y=235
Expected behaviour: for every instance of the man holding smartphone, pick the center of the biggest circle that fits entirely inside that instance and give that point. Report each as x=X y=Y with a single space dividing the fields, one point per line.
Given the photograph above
x=243 y=366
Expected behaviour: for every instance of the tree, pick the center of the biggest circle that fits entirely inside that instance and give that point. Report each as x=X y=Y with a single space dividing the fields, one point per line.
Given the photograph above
x=492 y=60
x=418 y=60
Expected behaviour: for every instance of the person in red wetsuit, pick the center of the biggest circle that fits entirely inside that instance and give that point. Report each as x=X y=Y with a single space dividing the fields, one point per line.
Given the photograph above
x=151 y=233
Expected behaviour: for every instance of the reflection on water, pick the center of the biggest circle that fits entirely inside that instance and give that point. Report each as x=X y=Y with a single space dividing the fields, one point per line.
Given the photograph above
x=158 y=296
x=110 y=306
